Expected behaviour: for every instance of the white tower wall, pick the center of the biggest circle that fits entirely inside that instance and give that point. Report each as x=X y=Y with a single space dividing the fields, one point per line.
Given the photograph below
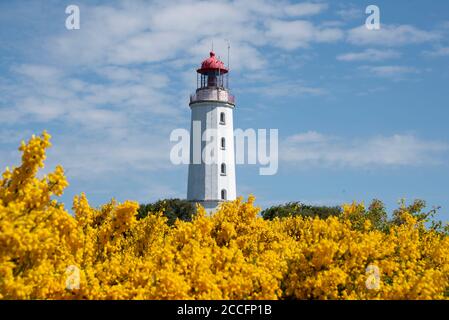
x=205 y=181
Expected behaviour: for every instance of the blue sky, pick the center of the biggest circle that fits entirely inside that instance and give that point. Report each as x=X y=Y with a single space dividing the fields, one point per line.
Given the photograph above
x=361 y=114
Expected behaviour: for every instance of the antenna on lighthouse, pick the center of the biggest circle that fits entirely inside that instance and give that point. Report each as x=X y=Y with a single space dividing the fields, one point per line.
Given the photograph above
x=229 y=49
x=229 y=68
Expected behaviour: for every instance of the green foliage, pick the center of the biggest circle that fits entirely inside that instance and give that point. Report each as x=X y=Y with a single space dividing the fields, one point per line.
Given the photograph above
x=300 y=209
x=416 y=209
x=171 y=208
x=376 y=214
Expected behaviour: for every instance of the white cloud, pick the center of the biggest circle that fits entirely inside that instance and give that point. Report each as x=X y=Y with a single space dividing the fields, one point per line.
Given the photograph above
x=161 y=31
x=369 y=55
x=138 y=32
x=390 y=35
x=308 y=137
x=10 y=136
x=299 y=33
x=316 y=149
x=114 y=96
x=305 y=9
x=39 y=72
x=395 y=72
x=286 y=89
x=137 y=151
x=438 y=52
x=350 y=13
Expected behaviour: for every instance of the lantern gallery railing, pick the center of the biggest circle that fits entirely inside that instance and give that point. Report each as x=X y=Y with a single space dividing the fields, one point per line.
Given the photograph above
x=212 y=94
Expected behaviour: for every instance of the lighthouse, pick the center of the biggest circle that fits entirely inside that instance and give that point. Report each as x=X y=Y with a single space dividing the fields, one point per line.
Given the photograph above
x=211 y=179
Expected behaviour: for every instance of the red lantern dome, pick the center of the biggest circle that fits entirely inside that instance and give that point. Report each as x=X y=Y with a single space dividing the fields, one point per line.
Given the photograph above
x=212 y=64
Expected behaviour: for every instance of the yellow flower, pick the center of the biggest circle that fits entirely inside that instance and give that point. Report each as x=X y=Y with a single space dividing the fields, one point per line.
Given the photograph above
x=233 y=254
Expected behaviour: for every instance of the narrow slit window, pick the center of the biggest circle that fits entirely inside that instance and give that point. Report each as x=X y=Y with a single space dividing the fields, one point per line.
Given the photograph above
x=223 y=194
x=223 y=169
x=222 y=118
x=223 y=143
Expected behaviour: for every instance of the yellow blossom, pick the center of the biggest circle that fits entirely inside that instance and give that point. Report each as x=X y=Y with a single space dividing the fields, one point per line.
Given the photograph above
x=232 y=254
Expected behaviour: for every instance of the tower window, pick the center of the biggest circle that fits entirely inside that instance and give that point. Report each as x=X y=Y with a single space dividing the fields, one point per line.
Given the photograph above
x=223 y=194
x=222 y=118
x=223 y=169
x=223 y=143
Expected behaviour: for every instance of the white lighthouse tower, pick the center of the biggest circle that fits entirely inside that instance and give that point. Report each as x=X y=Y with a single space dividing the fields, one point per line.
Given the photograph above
x=212 y=163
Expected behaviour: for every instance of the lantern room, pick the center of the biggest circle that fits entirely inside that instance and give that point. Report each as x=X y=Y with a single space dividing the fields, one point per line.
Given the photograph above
x=212 y=73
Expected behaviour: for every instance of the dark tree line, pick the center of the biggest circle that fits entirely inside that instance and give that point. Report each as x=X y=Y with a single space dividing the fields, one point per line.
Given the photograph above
x=171 y=208
x=375 y=213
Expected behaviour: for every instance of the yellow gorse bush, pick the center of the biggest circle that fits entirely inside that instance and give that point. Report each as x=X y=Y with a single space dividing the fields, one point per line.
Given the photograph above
x=106 y=253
